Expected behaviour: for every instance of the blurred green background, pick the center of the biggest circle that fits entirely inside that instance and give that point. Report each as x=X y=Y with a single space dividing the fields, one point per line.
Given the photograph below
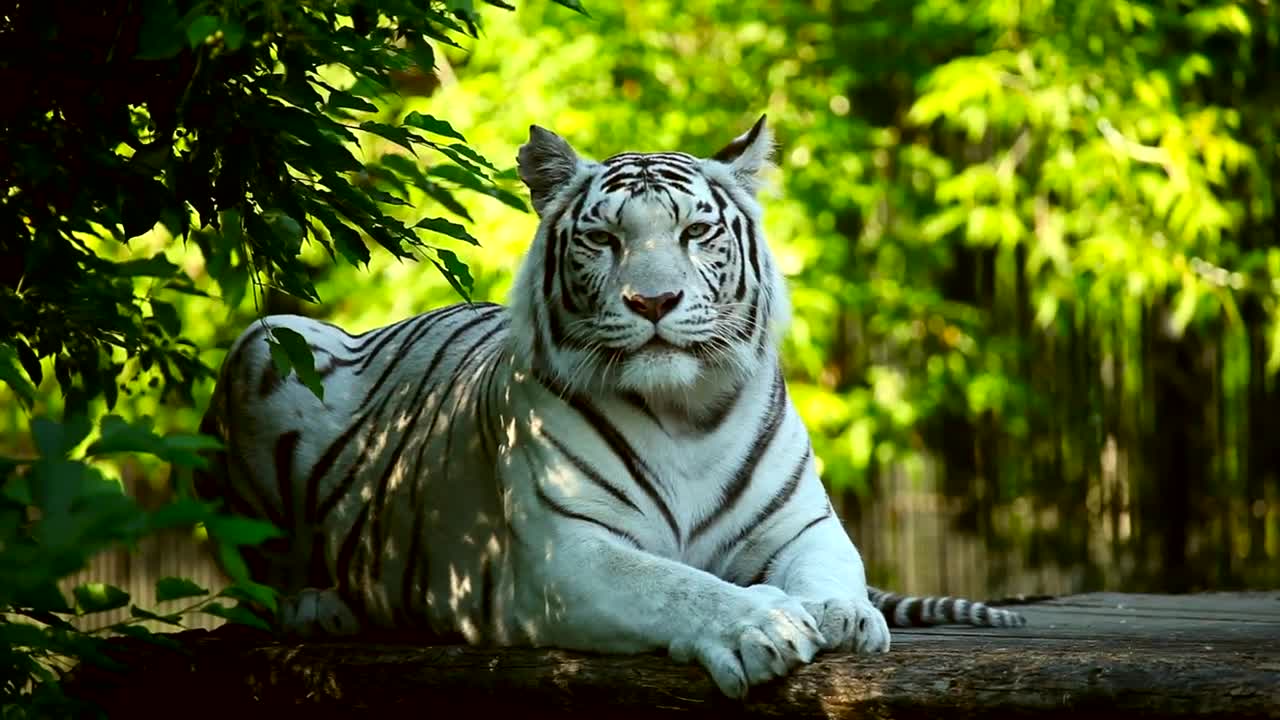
x=1032 y=248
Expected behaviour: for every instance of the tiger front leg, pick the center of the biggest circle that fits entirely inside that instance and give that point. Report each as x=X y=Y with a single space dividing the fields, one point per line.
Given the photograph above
x=591 y=591
x=823 y=569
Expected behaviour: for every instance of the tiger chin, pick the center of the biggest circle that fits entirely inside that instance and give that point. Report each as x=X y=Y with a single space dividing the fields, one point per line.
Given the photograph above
x=610 y=463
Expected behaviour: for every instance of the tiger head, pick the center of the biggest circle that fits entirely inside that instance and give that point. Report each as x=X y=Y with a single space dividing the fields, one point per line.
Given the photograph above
x=649 y=273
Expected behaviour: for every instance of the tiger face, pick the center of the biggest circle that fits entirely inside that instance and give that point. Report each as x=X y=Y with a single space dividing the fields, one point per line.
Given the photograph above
x=649 y=273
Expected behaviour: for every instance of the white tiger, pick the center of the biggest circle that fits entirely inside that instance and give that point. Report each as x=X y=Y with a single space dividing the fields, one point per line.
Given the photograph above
x=611 y=463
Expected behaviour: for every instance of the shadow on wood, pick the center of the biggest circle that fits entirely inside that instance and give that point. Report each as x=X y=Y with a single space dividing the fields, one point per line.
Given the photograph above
x=1100 y=655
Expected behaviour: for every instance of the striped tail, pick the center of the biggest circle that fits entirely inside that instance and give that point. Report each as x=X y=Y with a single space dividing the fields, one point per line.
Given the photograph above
x=905 y=611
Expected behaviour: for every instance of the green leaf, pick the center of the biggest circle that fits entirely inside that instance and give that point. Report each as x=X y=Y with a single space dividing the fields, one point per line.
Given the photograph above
x=290 y=351
x=573 y=5
x=386 y=197
x=167 y=317
x=340 y=99
x=172 y=588
x=46 y=617
x=183 y=512
x=432 y=125
x=423 y=55
x=159 y=37
x=232 y=35
x=350 y=245
x=176 y=221
x=348 y=242
x=142 y=201
x=42 y=596
x=445 y=227
x=249 y=591
x=99 y=597
x=22 y=635
x=456 y=266
x=29 y=361
x=184 y=286
x=455 y=271
x=441 y=194
x=56 y=483
x=117 y=435
x=200 y=29
x=466 y=179
x=402 y=165
x=232 y=562
x=142 y=633
x=370 y=87
x=399 y=136
x=465 y=157
x=89 y=650
x=55 y=439
x=15 y=488
x=169 y=619
x=14 y=376
x=154 y=266
x=236 y=614
x=237 y=530
x=233 y=283
x=178 y=446
x=468 y=152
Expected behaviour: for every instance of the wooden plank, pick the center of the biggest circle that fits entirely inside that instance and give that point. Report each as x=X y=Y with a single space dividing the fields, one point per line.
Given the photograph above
x=1245 y=618
x=1097 y=656
x=1265 y=605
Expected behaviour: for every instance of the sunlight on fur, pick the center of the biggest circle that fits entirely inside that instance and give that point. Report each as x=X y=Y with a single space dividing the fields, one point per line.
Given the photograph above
x=618 y=443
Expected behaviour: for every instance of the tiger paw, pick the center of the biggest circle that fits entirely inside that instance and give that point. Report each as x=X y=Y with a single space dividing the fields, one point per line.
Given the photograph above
x=850 y=625
x=766 y=639
x=317 y=613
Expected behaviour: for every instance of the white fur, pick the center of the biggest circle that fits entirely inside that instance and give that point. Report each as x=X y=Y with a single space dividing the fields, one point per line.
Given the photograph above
x=480 y=468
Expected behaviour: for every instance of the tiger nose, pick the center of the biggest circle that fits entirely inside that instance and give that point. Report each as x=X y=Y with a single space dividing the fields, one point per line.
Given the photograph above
x=654 y=307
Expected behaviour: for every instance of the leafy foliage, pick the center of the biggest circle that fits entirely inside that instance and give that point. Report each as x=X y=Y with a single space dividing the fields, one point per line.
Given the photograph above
x=56 y=511
x=225 y=124
x=1031 y=246
x=161 y=153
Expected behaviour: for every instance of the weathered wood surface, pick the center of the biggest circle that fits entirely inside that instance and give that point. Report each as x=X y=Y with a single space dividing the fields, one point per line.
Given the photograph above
x=1087 y=656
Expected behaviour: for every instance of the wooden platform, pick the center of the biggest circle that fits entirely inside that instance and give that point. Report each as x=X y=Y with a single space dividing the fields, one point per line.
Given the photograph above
x=1088 y=656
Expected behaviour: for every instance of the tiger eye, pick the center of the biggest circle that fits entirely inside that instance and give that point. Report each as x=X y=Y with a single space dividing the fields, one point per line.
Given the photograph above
x=602 y=238
x=695 y=231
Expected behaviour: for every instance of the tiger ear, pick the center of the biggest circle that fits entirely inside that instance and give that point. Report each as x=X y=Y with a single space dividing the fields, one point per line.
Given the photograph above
x=546 y=164
x=748 y=155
